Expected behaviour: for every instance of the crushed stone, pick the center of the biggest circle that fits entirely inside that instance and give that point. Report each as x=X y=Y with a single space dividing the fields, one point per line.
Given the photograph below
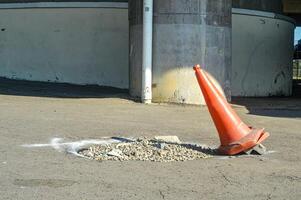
x=143 y=149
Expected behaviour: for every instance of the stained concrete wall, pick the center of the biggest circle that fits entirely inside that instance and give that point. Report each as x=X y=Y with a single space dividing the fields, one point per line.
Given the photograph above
x=69 y=45
x=185 y=33
x=275 y=6
x=262 y=50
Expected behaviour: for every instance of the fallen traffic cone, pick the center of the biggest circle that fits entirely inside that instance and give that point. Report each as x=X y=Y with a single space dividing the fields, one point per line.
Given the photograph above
x=235 y=136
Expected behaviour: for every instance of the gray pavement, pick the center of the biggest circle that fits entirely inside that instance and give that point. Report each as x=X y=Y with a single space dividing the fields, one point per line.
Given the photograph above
x=45 y=173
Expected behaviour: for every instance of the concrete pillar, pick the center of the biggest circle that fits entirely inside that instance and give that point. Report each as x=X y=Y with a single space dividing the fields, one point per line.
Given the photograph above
x=186 y=32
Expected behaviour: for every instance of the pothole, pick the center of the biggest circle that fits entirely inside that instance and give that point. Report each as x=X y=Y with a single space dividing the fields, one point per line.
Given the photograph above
x=157 y=149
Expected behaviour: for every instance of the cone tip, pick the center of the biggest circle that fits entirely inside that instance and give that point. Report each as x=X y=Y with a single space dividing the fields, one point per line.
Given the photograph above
x=196 y=67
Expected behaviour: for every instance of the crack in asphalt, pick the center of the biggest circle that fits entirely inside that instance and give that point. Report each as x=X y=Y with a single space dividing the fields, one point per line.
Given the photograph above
x=161 y=194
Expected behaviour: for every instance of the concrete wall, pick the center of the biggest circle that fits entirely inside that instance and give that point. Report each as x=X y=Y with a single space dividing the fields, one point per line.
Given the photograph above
x=262 y=50
x=70 y=45
x=185 y=33
x=275 y=6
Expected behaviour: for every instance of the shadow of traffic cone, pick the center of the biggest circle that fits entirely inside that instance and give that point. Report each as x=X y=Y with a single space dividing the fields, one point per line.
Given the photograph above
x=235 y=136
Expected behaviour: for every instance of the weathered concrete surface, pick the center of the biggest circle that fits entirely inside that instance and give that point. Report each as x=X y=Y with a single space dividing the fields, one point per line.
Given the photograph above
x=262 y=55
x=47 y=174
x=66 y=45
x=185 y=33
x=262 y=5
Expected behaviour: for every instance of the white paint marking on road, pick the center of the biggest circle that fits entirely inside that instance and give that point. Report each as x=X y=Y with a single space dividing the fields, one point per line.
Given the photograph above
x=71 y=147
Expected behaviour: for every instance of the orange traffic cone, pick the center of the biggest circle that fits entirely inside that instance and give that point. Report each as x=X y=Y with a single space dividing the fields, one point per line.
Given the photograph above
x=235 y=136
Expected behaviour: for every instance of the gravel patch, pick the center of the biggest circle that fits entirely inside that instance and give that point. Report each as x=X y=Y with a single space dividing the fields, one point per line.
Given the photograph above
x=143 y=149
